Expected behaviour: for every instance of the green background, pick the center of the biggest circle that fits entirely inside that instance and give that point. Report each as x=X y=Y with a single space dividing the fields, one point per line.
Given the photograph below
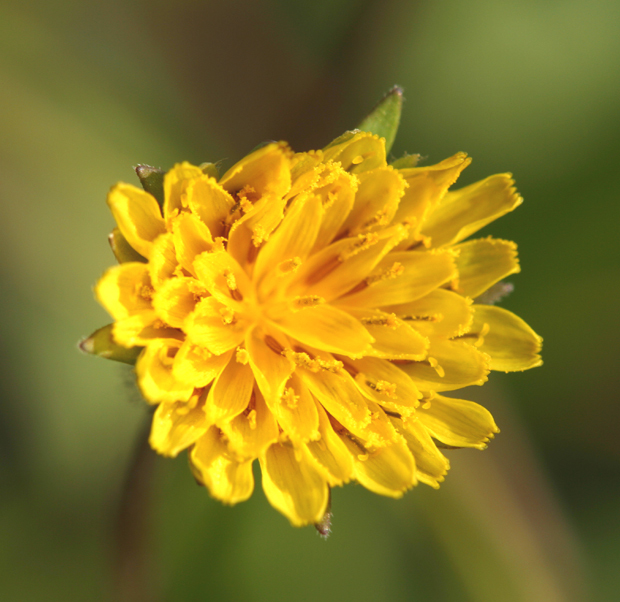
x=87 y=90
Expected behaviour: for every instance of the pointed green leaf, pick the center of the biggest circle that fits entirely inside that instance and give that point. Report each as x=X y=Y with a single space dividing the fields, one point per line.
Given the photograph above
x=152 y=180
x=383 y=120
x=101 y=343
x=211 y=170
x=122 y=250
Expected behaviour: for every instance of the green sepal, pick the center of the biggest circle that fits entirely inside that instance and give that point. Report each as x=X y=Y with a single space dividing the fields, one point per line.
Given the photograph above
x=406 y=161
x=122 y=250
x=211 y=170
x=384 y=119
x=342 y=138
x=152 y=180
x=101 y=343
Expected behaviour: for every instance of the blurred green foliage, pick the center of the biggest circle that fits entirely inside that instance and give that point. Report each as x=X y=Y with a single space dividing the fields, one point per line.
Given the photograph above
x=91 y=89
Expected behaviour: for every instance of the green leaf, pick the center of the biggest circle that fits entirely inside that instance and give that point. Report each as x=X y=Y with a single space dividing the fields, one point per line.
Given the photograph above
x=122 y=250
x=152 y=180
x=383 y=120
x=101 y=343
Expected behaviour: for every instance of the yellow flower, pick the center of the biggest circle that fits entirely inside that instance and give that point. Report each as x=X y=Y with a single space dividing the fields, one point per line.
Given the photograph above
x=310 y=310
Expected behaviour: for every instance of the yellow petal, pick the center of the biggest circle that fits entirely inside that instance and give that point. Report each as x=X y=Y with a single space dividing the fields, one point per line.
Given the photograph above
x=271 y=369
x=431 y=464
x=462 y=212
x=402 y=277
x=176 y=182
x=293 y=485
x=223 y=277
x=176 y=426
x=195 y=365
x=483 y=262
x=212 y=325
x=330 y=453
x=155 y=378
x=253 y=430
x=394 y=339
x=266 y=170
x=190 y=238
x=125 y=290
x=510 y=342
x=337 y=269
x=230 y=394
x=327 y=328
x=441 y=313
x=426 y=187
x=386 y=384
x=293 y=239
x=174 y=300
x=457 y=422
x=357 y=151
x=388 y=471
x=163 y=263
x=336 y=189
x=339 y=395
x=227 y=479
x=138 y=216
x=376 y=200
x=296 y=412
x=450 y=365
x=140 y=329
x=210 y=202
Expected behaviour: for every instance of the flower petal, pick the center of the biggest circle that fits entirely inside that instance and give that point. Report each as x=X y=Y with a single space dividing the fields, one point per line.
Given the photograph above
x=227 y=479
x=426 y=187
x=388 y=471
x=195 y=365
x=327 y=328
x=138 y=216
x=155 y=378
x=376 y=200
x=457 y=422
x=386 y=384
x=296 y=412
x=483 y=262
x=125 y=290
x=163 y=261
x=176 y=182
x=402 y=277
x=210 y=202
x=176 y=426
x=462 y=212
x=223 y=277
x=266 y=170
x=450 y=365
x=431 y=464
x=175 y=299
x=293 y=485
x=394 y=339
x=356 y=151
x=441 y=313
x=271 y=369
x=253 y=430
x=230 y=393
x=336 y=189
x=190 y=238
x=214 y=326
x=293 y=239
x=330 y=453
x=510 y=342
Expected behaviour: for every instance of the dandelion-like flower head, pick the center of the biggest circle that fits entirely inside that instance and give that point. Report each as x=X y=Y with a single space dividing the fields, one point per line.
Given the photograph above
x=310 y=310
